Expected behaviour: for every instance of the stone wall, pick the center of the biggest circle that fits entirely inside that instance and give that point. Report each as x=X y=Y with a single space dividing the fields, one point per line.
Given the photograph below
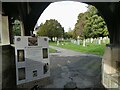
x=8 y=71
x=8 y=67
x=111 y=67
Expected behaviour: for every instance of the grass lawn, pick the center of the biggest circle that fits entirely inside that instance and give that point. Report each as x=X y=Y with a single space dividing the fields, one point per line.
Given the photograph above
x=52 y=50
x=90 y=48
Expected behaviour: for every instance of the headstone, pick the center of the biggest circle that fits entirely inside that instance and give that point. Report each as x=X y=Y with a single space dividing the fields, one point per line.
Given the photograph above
x=88 y=40
x=100 y=40
x=84 y=43
x=97 y=40
x=55 y=39
x=104 y=40
x=78 y=40
x=91 y=40
x=74 y=41
x=58 y=43
x=94 y=40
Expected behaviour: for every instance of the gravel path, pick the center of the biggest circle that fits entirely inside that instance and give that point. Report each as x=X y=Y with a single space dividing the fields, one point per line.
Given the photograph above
x=70 y=69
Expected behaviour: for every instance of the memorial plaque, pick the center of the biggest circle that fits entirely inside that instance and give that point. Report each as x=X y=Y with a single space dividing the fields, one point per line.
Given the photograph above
x=32 y=41
x=35 y=73
x=21 y=73
x=32 y=58
x=45 y=53
x=45 y=67
x=20 y=55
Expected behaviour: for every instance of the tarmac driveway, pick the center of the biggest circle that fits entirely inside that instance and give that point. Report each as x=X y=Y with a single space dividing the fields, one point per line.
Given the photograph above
x=70 y=69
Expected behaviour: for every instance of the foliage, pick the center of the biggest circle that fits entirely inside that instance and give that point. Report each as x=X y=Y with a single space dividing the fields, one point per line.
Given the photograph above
x=69 y=34
x=16 y=28
x=79 y=26
x=90 y=24
x=51 y=28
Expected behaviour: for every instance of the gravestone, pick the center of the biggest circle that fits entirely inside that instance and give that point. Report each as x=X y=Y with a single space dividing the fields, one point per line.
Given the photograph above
x=104 y=40
x=100 y=40
x=78 y=40
x=91 y=40
x=55 y=39
x=97 y=41
x=58 y=43
x=84 y=43
x=74 y=41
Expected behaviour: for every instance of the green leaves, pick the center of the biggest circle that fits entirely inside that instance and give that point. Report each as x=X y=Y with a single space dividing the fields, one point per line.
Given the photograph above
x=51 y=28
x=89 y=24
x=16 y=28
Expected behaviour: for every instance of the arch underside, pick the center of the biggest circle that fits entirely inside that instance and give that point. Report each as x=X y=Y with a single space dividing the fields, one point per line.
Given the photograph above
x=29 y=13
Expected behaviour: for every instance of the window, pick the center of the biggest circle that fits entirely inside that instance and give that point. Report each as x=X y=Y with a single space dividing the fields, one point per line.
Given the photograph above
x=20 y=55
x=32 y=41
x=21 y=73
x=35 y=73
x=45 y=39
x=45 y=68
x=45 y=53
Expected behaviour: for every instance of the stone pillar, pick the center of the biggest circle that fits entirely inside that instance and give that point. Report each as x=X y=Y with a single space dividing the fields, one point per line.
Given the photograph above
x=5 y=31
x=111 y=67
x=22 y=28
x=0 y=27
x=0 y=55
x=8 y=67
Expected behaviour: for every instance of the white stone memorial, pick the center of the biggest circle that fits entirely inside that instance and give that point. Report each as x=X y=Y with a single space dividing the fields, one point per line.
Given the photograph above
x=100 y=40
x=84 y=43
x=91 y=40
x=58 y=43
x=75 y=41
x=32 y=58
x=78 y=40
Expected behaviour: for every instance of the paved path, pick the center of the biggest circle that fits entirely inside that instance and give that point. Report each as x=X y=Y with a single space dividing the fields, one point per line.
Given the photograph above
x=66 y=52
x=70 y=69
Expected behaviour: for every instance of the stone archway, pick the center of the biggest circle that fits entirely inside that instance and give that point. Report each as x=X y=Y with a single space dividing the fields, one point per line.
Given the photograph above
x=109 y=10
x=110 y=63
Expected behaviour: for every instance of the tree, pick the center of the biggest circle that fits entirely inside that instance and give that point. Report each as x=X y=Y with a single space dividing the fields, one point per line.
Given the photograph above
x=16 y=28
x=95 y=25
x=79 y=26
x=51 y=28
x=69 y=34
x=90 y=24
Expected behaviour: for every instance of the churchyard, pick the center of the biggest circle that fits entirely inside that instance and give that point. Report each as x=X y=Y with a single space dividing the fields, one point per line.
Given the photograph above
x=90 y=45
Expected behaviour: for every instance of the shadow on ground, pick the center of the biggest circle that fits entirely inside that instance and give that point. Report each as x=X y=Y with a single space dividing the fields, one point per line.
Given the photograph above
x=75 y=72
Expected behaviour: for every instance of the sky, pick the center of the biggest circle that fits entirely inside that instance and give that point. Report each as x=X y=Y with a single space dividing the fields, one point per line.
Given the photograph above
x=65 y=12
